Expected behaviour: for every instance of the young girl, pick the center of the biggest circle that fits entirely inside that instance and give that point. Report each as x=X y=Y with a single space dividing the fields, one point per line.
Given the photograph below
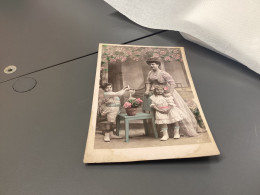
x=166 y=112
x=110 y=109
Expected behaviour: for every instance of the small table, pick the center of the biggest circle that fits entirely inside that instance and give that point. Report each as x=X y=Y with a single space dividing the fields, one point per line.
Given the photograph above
x=138 y=116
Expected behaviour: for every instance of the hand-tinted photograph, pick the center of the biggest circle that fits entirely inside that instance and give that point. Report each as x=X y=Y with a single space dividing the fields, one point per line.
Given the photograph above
x=145 y=107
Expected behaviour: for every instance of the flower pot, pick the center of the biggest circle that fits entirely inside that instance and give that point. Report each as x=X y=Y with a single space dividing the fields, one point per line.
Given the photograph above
x=130 y=111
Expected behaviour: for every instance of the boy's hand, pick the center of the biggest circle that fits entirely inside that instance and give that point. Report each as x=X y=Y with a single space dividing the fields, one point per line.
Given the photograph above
x=104 y=113
x=127 y=88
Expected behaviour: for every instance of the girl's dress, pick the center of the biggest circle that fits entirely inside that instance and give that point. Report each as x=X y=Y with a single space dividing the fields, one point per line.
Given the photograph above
x=174 y=115
x=188 y=126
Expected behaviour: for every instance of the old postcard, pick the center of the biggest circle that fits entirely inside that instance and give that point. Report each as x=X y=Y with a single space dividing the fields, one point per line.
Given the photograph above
x=145 y=107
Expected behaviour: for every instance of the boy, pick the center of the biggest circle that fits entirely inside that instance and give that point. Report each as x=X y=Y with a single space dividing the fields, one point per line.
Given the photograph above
x=111 y=109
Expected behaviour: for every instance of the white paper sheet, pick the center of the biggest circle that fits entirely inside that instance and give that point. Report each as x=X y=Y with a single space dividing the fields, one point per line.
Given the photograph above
x=229 y=27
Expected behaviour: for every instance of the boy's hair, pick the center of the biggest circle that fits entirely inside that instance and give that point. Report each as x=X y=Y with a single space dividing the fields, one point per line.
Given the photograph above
x=157 y=87
x=104 y=86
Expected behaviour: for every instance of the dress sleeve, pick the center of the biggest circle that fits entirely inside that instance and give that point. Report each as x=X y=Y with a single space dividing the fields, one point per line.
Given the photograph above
x=170 y=100
x=153 y=103
x=168 y=78
x=148 y=80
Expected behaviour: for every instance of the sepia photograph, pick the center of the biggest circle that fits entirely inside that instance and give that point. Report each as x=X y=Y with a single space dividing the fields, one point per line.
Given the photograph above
x=145 y=107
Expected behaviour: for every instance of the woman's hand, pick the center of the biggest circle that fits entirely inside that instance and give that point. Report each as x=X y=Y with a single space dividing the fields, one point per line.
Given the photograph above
x=147 y=93
x=148 y=87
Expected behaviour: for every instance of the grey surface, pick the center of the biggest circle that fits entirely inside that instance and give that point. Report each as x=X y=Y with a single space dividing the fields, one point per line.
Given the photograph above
x=43 y=133
x=38 y=34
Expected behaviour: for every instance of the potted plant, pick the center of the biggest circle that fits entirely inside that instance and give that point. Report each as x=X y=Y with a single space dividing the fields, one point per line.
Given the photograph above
x=131 y=105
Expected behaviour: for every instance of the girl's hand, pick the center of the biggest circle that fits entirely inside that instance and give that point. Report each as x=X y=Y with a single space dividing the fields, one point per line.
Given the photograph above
x=155 y=107
x=166 y=111
x=160 y=110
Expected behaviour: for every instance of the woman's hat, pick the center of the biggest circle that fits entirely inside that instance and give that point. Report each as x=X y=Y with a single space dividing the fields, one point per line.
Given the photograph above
x=153 y=60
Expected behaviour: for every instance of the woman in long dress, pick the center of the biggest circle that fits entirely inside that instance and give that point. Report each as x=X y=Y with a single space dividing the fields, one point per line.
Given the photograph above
x=156 y=76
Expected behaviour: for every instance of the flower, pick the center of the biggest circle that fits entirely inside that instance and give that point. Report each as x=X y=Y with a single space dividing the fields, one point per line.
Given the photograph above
x=139 y=101
x=119 y=49
x=176 y=51
x=162 y=52
x=112 y=54
x=167 y=58
x=113 y=60
x=123 y=59
x=178 y=56
x=137 y=53
x=133 y=103
x=127 y=105
x=156 y=55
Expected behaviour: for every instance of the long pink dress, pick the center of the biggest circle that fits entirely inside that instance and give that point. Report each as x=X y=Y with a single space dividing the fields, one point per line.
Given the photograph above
x=189 y=125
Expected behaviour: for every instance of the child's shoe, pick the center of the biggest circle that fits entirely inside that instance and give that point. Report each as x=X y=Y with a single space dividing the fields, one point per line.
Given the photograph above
x=112 y=136
x=107 y=137
x=176 y=133
x=165 y=136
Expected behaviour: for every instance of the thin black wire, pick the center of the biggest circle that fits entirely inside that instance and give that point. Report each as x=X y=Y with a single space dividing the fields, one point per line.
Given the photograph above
x=81 y=57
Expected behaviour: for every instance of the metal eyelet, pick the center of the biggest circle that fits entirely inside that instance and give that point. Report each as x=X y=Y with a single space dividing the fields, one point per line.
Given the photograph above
x=10 y=69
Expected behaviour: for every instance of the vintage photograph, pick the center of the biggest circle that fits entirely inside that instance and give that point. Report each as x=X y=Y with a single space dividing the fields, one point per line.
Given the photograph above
x=145 y=107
